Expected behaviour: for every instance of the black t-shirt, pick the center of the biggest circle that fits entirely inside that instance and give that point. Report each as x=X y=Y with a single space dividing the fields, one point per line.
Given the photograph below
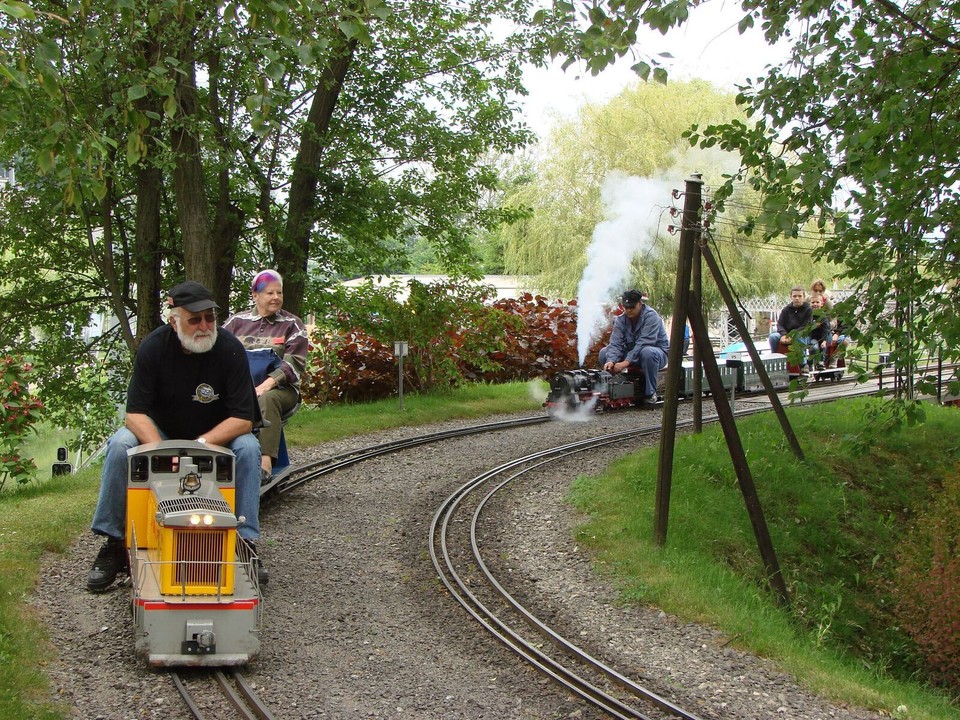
x=187 y=394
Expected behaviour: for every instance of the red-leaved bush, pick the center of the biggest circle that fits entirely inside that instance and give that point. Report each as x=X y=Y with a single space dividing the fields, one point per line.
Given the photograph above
x=19 y=411
x=928 y=579
x=454 y=335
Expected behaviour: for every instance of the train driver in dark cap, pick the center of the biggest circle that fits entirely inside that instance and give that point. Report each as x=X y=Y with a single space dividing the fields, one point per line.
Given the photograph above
x=639 y=339
x=190 y=382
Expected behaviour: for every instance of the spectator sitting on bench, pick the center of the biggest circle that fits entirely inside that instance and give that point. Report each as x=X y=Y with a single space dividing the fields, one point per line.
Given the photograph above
x=794 y=316
x=276 y=343
x=840 y=341
x=820 y=334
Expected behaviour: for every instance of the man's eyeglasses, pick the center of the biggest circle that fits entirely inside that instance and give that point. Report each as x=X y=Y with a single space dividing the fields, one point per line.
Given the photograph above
x=208 y=318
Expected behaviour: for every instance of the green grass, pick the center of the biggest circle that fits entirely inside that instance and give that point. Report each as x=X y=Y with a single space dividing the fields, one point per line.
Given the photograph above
x=313 y=425
x=833 y=508
x=42 y=447
x=34 y=520
x=835 y=520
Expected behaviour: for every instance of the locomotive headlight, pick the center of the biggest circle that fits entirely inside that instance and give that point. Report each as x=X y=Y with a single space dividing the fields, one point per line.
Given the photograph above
x=208 y=519
x=194 y=519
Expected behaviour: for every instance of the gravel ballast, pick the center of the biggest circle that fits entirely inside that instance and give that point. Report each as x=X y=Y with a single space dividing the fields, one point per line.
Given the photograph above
x=356 y=624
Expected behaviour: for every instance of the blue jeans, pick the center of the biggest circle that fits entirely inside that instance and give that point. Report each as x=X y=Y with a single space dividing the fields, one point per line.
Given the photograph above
x=110 y=517
x=810 y=345
x=651 y=361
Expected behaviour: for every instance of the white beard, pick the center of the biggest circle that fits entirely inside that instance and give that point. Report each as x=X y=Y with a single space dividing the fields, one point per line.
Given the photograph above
x=200 y=341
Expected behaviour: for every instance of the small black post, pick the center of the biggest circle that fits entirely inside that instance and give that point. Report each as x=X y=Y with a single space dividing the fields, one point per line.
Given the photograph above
x=61 y=466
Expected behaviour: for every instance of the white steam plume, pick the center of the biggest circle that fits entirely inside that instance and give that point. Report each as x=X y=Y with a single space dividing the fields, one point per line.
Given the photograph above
x=633 y=208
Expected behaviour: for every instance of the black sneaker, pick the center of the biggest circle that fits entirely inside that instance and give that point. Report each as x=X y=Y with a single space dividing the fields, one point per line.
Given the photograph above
x=263 y=576
x=111 y=560
x=265 y=476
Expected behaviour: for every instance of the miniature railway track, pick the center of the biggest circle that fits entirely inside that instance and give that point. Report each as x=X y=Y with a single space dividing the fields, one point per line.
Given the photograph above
x=574 y=669
x=605 y=688
x=234 y=689
x=457 y=557
x=301 y=474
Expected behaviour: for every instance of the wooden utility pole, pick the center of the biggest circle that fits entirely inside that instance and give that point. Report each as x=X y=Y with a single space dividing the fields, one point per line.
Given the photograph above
x=697 y=354
x=687 y=302
x=744 y=478
x=689 y=227
x=752 y=351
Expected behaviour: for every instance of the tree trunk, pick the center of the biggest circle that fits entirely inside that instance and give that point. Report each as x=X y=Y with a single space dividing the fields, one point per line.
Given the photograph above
x=292 y=252
x=228 y=225
x=147 y=250
x=199 y=251
x=117 y=292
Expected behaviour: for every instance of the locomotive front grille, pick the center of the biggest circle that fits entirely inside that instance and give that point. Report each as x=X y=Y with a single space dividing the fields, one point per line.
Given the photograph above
x=198 y=557
x=197 y=562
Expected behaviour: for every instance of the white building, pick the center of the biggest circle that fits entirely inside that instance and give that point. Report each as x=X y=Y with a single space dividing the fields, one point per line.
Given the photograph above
x=507 y=286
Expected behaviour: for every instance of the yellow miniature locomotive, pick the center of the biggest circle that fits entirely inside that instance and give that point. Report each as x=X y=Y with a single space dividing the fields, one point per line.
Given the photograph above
x=196 y=600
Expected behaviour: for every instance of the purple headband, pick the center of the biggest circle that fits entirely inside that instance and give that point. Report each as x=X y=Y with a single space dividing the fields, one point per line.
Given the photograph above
x=264 y=278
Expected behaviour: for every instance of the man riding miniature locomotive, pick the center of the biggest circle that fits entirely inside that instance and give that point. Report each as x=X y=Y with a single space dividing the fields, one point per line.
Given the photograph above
x=638 y=343
x=190 y=381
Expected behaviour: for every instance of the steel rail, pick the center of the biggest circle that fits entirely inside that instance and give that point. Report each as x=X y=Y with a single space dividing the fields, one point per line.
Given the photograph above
x=187 y=696
x=494 y=623
x=310 y=471
x=242 y=697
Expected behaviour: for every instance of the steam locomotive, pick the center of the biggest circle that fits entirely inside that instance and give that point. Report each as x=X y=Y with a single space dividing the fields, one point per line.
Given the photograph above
x=599 y=390
x=196 y=599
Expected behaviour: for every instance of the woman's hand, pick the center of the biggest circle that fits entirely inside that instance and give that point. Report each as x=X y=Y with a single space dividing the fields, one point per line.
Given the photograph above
x=266 y=386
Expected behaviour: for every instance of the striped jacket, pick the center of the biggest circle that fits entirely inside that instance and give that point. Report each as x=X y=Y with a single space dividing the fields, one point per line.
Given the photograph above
x=259 y=333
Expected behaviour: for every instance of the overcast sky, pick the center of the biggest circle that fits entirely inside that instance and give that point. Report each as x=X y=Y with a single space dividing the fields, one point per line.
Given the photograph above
x=708 y=46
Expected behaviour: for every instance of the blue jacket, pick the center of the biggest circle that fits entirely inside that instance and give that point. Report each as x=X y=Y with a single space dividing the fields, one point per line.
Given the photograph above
x=627 y=337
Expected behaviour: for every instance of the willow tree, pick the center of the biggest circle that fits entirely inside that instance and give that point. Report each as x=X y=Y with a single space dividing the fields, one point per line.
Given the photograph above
x=639 y=133
x=855 y=132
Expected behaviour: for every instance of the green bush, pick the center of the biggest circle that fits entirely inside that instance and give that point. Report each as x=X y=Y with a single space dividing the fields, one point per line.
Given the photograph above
x=451 y=331
x=19 y=411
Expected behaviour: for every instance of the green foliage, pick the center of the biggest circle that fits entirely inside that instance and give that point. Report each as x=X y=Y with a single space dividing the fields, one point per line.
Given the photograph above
x=855 y=136
x=600 y=33
x=154 y=141
x=19 y=412
x=639 y=133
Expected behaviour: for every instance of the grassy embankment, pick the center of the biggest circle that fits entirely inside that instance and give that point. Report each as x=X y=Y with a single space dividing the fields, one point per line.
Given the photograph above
x=692 y=577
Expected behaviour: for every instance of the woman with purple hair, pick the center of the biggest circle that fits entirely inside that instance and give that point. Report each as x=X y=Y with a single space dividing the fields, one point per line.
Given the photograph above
x=276 y=342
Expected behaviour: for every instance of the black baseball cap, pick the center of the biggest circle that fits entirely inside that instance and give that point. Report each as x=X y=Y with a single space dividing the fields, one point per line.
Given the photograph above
x=191 y=296
x=631 y=298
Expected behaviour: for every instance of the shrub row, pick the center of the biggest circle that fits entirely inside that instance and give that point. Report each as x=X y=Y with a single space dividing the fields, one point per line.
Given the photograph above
x=455 y=334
